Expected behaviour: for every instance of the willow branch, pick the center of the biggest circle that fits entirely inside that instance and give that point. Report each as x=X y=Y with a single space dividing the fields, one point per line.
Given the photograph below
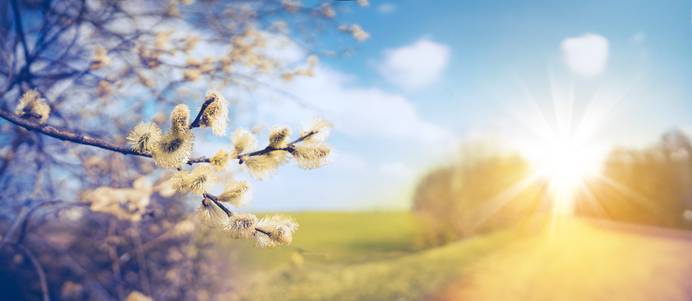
x=67 y=135
x=196 y=123
x=216 y=202
x=228 y=212
x=289 y=148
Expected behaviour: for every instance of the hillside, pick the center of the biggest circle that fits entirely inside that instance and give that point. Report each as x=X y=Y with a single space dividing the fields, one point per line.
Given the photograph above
x=527 y=263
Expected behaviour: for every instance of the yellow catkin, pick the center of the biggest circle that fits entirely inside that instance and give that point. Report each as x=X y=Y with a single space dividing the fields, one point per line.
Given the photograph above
x=243 y=141
x=144 y=137
x=196 y=181
x=280 y=231
x=220 y=159
x=241 y=225
x=31 y=103
x=235 y=193
x=311 y=155
x=215 y=115
x=173 y=149
x=278 y=137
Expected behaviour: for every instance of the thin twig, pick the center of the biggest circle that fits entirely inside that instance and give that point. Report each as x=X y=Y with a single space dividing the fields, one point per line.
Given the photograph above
x=74 y=137
x=289 y=148
x=216 y=202
x=68 y=135
x=45 y=294
x=228 y=212
x=196 y=123
x=103 y=144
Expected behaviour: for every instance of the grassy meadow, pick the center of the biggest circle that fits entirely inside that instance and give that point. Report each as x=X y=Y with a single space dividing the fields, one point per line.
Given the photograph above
x=376 y=256
x=354 y=256
x=328 y=237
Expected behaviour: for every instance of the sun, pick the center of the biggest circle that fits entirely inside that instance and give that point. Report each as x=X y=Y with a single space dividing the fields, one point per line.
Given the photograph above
x=564 y=134
x=565 y=163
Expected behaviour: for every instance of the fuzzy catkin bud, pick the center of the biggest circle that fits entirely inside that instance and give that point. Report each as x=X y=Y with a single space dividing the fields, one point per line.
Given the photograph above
x=219 y=160
x=34 y=105
x=279 y=228
x=144 y=137
x=278 y=138
x=180 y=118
x=210 y=215
x=196 y=181
x=262 y=166
x=311 y=155
x=235 y=193
x=243 y=141
x=317 y=131
x=174 y=149
x=241 y=225
x=215 y=115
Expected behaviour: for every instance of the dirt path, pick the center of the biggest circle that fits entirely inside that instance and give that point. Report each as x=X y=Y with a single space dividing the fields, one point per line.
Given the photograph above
x=581 y=260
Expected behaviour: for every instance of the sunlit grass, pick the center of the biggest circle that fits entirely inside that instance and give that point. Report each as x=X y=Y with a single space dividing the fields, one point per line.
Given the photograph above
x=581 y=260
x=372 y=271
x=338 y=237
x=571 y=259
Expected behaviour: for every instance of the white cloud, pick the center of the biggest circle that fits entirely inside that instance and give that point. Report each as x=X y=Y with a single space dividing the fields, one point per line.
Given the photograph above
x=586 y=55
x=386 y=8
x=373 y=130
x=415 y=66
x=357 y=112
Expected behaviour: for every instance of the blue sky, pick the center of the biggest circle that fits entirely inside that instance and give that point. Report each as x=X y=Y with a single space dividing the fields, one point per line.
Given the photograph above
x=436 y=73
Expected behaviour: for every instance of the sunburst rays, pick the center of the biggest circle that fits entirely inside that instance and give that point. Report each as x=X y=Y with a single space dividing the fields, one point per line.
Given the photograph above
x=566 y=148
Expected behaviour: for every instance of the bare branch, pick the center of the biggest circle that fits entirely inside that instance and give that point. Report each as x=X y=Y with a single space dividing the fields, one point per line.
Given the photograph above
x=196 y=123
x=125 y=150
x=228 y=212
x=45 y=293
x=67 y=135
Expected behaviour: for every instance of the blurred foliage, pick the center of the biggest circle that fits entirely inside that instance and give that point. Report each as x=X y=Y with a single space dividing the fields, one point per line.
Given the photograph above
x=648 y=186
x=97 y=257
x=102 y=67
x=484 y=190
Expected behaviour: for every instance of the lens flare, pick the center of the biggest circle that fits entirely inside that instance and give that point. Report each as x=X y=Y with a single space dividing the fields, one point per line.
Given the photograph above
x=565 y=164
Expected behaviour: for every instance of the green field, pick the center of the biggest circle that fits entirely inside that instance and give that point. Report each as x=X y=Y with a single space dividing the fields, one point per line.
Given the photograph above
x=325 y=237
x=374 y=256
x=354 y=256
